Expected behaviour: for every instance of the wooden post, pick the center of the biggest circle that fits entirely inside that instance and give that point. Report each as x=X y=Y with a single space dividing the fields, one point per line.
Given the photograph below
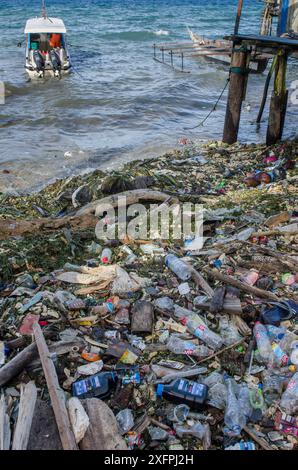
x=278 y=104
x=238 y=78
x=238 y=17
x=56 y=394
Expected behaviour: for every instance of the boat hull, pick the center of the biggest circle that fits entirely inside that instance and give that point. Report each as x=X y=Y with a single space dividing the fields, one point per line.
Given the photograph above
x=50 y=73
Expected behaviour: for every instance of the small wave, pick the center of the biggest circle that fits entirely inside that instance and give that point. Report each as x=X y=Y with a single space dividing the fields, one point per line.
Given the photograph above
x=162 y=32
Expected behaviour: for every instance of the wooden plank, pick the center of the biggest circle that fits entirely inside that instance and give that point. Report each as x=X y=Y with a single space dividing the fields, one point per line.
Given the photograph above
x=56 y=394
x=5 y=432
x=25 y=416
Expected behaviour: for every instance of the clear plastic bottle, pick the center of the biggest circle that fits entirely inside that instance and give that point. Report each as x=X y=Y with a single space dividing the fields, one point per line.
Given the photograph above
x=234 y=416
x=279 y=357
x=289 y=399
x=263 y=342
x=106 y=256
x=180 y=346
x=228 y=331
x=244 y=401
x=178 y=267
x=272 y=386
x=197 y=327
x=275 y=333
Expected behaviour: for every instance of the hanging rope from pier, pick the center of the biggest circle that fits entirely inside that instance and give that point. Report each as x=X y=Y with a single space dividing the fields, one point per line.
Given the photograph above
x=211 y=111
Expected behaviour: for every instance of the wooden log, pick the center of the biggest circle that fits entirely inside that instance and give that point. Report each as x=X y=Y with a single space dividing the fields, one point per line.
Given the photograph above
x=200 y=281
x=241 y=285
x=56 y=394
x=5 y=432
x=25 y=416
x=131 y=197
x=278 y=102
x=26 y=357
x=84 y=218
x=17 y=364
x=238 y=78
x=13 y=228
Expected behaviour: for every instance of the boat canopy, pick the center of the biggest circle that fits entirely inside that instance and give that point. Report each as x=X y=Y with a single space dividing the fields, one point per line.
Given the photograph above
x=45 y=25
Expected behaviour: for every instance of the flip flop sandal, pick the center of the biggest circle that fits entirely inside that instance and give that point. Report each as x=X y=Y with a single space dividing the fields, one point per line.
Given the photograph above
x=281 y=311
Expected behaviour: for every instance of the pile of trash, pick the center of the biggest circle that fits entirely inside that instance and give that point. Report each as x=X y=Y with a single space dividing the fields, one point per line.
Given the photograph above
x=150 y=344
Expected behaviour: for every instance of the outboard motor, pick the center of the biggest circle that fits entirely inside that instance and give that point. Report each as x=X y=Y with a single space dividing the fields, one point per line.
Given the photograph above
x=56 y=62
x=39 y=62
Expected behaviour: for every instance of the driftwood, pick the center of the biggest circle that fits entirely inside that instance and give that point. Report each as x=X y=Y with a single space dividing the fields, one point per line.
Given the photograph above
x=200 y=281
x=283 y=259
x=25 y=416
x=212 y=356
x=14 y=228
x=241 y=285
x=259 y=440
x=5 y=432
x=56 y=394
x=26 y=357
x=84 y=218
x=17 y=364
x=132 y=197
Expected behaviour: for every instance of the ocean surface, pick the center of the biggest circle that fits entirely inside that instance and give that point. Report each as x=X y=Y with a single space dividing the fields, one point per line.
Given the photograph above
x=118 y=104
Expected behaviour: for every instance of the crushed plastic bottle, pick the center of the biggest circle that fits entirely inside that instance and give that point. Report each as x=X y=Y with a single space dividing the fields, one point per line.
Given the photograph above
x=178 y=267
x=228 y=331
x=289 y=399
x=198 y=430
x=234 y=418
x=244 y=401
x=125 y=420
x=180 y=346
x=279 y=357
x=263 y=342
x=217 y=390
x=272 y=386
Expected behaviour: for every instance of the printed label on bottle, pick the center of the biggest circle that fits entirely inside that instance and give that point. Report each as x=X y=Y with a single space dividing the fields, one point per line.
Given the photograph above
x=191 y=387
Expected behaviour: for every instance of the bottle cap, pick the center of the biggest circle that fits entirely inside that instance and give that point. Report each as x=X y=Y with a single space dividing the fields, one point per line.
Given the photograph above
x=159 y=390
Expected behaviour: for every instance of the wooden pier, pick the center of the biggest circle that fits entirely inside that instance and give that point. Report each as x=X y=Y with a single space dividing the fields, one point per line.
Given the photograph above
x=279 y=49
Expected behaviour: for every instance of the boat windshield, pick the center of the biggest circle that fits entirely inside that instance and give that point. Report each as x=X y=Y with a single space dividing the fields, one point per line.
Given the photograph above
x=45 y=41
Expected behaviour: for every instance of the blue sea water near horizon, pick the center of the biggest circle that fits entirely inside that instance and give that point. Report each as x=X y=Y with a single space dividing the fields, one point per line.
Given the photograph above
x=118 y=104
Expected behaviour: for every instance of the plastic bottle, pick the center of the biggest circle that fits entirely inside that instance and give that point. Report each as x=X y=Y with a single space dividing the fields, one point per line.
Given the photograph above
x=263 y=342
x=289 y=399
x=242 y=446
x=185 y=391
x=234 y=417
x=272 y=386
x=228 y=332
x=275 y=333
x=244 y=401
x=99 y=385
x=178 y=267
x=180 y=346
x=279 y=358
x=197 y=327
x=106 y=256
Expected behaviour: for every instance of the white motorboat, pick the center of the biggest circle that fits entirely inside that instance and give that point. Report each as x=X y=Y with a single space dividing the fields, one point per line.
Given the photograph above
x=46 y=51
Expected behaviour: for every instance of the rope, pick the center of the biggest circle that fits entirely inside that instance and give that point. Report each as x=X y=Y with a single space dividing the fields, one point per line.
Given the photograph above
x=212 y=110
